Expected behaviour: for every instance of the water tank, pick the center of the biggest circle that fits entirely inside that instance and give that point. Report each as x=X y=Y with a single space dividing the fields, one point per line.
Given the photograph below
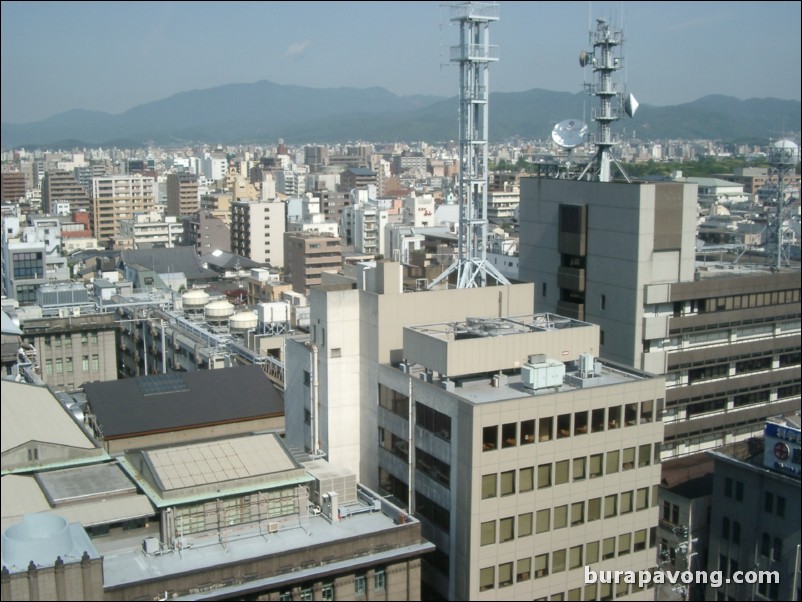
x=218 y=311
x=546 y=374
x=783 y=153
x=194 y=299
x=277 y=312
x=243 y=321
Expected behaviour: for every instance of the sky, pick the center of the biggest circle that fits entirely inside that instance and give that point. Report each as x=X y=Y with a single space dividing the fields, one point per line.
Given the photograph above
x=111 y=56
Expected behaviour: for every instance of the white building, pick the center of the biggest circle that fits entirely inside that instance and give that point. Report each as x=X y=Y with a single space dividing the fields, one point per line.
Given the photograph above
x=257 y=231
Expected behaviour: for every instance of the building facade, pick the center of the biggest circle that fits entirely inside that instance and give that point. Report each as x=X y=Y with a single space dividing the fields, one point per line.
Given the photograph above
x=183 y=196
x=117 y=198
x=257 y=231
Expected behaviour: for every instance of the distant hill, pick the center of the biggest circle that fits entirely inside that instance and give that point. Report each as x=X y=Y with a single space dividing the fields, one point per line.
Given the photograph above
x=263 y=111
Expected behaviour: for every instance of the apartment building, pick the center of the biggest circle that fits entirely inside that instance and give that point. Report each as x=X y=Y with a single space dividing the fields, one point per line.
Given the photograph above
x=61 y=187
x=117 y=198
x=308 y=255
x=257 y=230
x=183 y=196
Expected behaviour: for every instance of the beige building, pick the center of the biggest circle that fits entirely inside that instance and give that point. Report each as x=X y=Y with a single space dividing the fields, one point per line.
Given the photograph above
x=307 y=256
x=62 y=186
x=116 y=198
x=74 y=351
x=183 y=197
x=257 y=231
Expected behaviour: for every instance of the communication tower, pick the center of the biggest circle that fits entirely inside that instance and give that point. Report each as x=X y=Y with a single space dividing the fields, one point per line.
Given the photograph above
x=783 y=157
x=473 y=55
x=605 y=41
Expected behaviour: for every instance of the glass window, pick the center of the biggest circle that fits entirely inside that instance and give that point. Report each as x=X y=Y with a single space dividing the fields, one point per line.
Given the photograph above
x=526 y=479
x=505 y=574
x=508 y=482
x=508 y=438
x=488 y=536
x=489 y=438
x=594 y=509
x=525 y=524
x=575 y=595
x=85 y=363
x=487 y=578
x=647 y=411
x=614 y=417
x=558 y=561
x=527 y=432
x=544 y=429
x=608 y=548
x=597 y=420
x=326 y=592
x=523 y=569
x=624 y=543
x=541 y=566
x=542 y=521
x=488 y=486
x=610 y=502
x=611 y=467
x=561 y=516
x=595 y=466
x=621 y=589
x=360 y=585
x=561 y=472
x=579 y=468
x=628 y=458
x=563 y=426
x=580 y=423
x=379 y=580
x=592 y=552
x=544 y=476
x=644 y=455
x=626 y=502
x=631 y=414
x=575 y=557
x=577 y=513
x=642 y=499
x=640 y=540
x=506 y=530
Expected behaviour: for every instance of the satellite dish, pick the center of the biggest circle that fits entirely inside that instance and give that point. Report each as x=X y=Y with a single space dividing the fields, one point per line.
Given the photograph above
x=631 y=105
x=584 y=58
x=569 y=133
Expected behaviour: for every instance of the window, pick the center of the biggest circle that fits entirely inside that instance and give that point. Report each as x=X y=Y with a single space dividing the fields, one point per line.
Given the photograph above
x=506 y=531
x=776 y=550
x=728 y=487
x=646 y=411
x=542 y=521
x=780 y=506
x=590 y=592
x=624 y=543
x=508 y=434
x=574 y=595
x=644 y=455
x=360 y=585
x=595 y=466
x=488 y=533
x=736 y=532
x=489 y=438
x=631 y=414
x=558 y=561
x=427 y=418
x=580 y=423
x=527 y=432
x=626 y=502
x=628 y=458
x=608 y=548
x=768 y=501
x=541 y=566
x=85 y=363
x=561 y=472
x=398 y=404
x=577 y=513
x=597 y=420
x=508 y=482
x=523 y=569
x=95 y=362
x=642 y=498
x=592 y=552
x=561 y=516
x=563 y=426
x=544 y=476
x=611 y=466
x=594 y=509
x=604 y=301
x=739 y=491
x=487 y=578
x=326 y=591
x=525 y=524
x=59 y=366
x=505 y=574
x=526 y=479
x=725 y=528
x=765 y=545
x=544 y=429
x=579 y=468
x=488 y=486
x=575 y=557
x=610 y=503
x=640 y=540
x=69 y=364
x=614 y=417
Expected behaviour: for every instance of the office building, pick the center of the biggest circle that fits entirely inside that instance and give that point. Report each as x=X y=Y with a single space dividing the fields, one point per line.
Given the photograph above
x=623 y=256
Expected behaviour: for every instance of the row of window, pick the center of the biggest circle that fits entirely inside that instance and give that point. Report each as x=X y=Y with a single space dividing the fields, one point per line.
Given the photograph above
x=748 y=301
x=576 y=557
x=327 y=590
x=68 y=364
x=559 y=517
x=67 y=340
x=578 y=423
x=559 y=473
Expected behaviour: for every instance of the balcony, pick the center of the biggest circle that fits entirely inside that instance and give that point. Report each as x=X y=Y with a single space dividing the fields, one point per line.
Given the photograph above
x=572 y=279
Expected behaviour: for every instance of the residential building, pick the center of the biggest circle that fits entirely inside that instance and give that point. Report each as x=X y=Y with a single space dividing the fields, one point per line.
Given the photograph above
x=12 y=186
x=206 y=233
x=183 y=195
x=357 y=178
x=116 y=198
x=149 y=230
x=72 y=351
x=307 y=256
x=755 y=522
x=257 y=231
x=727 y=336
x=60 y=187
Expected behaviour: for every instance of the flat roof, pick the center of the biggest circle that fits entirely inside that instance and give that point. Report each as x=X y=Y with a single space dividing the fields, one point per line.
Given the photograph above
x=85 y=482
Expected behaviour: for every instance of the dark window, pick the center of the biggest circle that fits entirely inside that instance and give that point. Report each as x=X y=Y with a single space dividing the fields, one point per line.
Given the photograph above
x=489 y=438
x=433 y=421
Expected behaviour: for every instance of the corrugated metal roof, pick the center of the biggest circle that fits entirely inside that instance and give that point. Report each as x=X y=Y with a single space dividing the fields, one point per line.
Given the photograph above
x=31 y=413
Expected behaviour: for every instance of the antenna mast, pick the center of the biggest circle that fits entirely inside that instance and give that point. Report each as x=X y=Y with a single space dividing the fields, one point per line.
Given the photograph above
x=473 y=55
x=783 y=157
x=605 y=40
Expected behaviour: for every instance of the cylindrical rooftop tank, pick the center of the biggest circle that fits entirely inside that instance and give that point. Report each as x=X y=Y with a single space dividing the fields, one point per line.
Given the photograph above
x=218 y=311
x=194 y=299
x=243 y=321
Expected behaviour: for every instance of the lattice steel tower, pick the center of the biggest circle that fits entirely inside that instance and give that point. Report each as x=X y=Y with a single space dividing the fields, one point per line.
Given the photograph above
x=473 y=55
x=605 y=40
x=783 y=157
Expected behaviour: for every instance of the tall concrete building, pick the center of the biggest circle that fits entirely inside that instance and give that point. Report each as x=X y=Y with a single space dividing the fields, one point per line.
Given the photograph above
x=518 y=484
x=183 y=197
x=257 y=230
x=12 y=186
x=116 y=198
x=623 y=256
x=62 y=186
x=308 y=255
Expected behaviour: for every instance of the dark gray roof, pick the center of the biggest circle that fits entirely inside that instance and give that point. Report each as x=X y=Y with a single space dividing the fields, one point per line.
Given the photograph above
x=169 y=261
x=181 y=400
x=226 y=261
x=361 y=171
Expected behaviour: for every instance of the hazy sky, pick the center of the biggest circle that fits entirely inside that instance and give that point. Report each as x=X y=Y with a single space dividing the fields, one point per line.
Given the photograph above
x=111 y=56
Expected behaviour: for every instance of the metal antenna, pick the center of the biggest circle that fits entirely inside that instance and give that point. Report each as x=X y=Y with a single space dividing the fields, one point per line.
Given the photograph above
x=783 y=157
x=473 y=55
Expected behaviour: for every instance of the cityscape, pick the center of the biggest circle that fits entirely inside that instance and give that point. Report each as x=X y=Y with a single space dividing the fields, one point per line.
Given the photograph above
x=558 y=363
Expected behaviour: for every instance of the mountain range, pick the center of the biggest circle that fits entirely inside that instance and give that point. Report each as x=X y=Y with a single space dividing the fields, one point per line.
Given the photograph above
x=262 y=112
